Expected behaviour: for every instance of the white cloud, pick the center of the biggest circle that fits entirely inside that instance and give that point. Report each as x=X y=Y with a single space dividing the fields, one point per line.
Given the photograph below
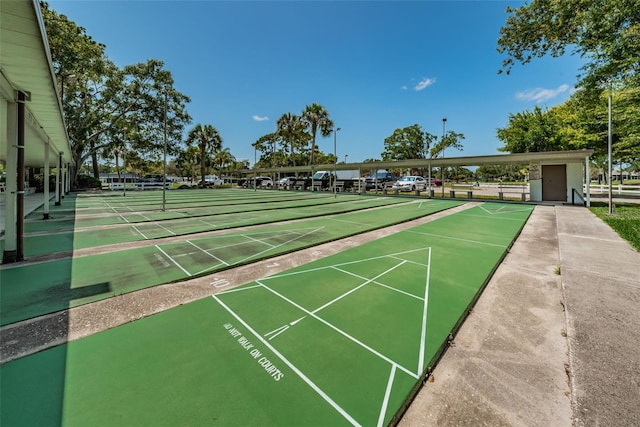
x=424 y=83
x=403 y=87
x=540 y=94
x=260 y=119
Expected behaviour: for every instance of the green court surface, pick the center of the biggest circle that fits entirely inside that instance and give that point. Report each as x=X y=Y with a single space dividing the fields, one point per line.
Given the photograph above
x=341 y=341
x=41 y=288
x=132 y=228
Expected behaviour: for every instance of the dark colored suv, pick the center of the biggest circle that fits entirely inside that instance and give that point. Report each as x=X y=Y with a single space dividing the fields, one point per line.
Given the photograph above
x=379 y=178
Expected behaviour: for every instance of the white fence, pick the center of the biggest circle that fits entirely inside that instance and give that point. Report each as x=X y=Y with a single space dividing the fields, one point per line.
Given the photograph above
x=618 y=190
x=134 y=186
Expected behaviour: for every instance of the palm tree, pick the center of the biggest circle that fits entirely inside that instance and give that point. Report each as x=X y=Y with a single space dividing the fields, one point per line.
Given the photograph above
x=188 y=159
x=223 y=158
x=316 y=116
x=290 y=128
x=208 y=140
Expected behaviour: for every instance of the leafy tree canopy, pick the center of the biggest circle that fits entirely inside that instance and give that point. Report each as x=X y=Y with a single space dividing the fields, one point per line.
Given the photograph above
x=579 y=123
x=109 y=108
x=605 y=33
x=411 y=142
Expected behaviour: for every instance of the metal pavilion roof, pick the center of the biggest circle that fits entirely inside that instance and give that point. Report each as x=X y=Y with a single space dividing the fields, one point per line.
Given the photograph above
x=548 y=157
x=26 y=65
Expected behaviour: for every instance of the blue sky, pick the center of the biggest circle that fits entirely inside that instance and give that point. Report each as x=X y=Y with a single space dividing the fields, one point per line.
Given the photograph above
x=374 y=65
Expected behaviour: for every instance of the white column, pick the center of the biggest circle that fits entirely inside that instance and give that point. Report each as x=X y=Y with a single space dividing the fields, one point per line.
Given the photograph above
x=588 y=179
x=45 y=180
x=10 y=242
x=68 y=181
x=58 y=178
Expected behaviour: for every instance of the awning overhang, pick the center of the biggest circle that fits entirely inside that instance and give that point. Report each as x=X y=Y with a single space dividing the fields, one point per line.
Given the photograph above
x=547 y=157
x=26 y=66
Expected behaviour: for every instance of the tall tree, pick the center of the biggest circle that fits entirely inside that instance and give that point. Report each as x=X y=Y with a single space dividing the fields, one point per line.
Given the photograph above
x=291 y=128
x=188 y=159
x=100 y=100
x=450 y=140
x=208 y=140
x=411 y=142
x=317 y=117
x=223 y=158
x=532 y=131
x=266 y=145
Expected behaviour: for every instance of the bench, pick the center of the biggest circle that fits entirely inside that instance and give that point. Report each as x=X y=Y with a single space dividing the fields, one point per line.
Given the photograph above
x=461 y=187
x=513 y=189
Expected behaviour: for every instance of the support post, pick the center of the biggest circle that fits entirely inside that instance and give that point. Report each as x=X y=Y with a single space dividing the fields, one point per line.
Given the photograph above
x=59 y=181
x=10 y=242
x=45 y=180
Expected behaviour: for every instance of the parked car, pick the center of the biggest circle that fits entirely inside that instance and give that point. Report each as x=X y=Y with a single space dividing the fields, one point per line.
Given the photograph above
x=410 y=183
x=261 y=181
x=379 y=178
x=435 y=182
x=210 y=181
x=287 y=182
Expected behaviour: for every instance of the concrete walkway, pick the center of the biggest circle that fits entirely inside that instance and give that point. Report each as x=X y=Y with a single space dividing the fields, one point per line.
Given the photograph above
x=31 y=203
x=511 y=364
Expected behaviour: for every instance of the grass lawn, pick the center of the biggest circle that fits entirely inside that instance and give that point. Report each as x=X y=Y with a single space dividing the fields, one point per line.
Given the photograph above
x=625 y=220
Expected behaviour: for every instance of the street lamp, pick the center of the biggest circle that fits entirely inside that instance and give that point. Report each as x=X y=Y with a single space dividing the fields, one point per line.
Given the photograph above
x=335 y=161
x=164 y=154
x=609 y=154
x=444 y=121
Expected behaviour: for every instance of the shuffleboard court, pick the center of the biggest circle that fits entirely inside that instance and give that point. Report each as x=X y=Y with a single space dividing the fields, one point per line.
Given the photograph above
x=137 y=226
x=340 y=341
x=128 y=211
x=36 y=289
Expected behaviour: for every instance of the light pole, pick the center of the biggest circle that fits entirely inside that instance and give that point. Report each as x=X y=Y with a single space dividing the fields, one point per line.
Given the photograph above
x=609 y=153
x=444 y=121
x=164 y=154
x=124 y=162
x=335 y=161
x=345 y=158
x=255 y=176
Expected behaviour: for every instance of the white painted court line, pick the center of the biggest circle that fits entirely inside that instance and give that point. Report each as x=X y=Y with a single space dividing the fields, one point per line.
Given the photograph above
x=244 y=288
x=277 y=246
x=497 y=211
x=139 y=232
x=124 y=219
x=341 y=332
x=277 y=331
x=210 y=224
x=455 y=238
x=350 y=222
x=111 y=207
x=499 y=218
x=387 y=394
x=356 y=288
x=344 y=263
x=423 y=333
x=173 y=260
x=378 y=283
x=206 y=252
x=163 y=227
x=286 y=361
x=409 y=261
x=256 y=240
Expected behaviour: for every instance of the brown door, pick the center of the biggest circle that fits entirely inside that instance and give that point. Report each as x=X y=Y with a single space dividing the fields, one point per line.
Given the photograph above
x=554 y=183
